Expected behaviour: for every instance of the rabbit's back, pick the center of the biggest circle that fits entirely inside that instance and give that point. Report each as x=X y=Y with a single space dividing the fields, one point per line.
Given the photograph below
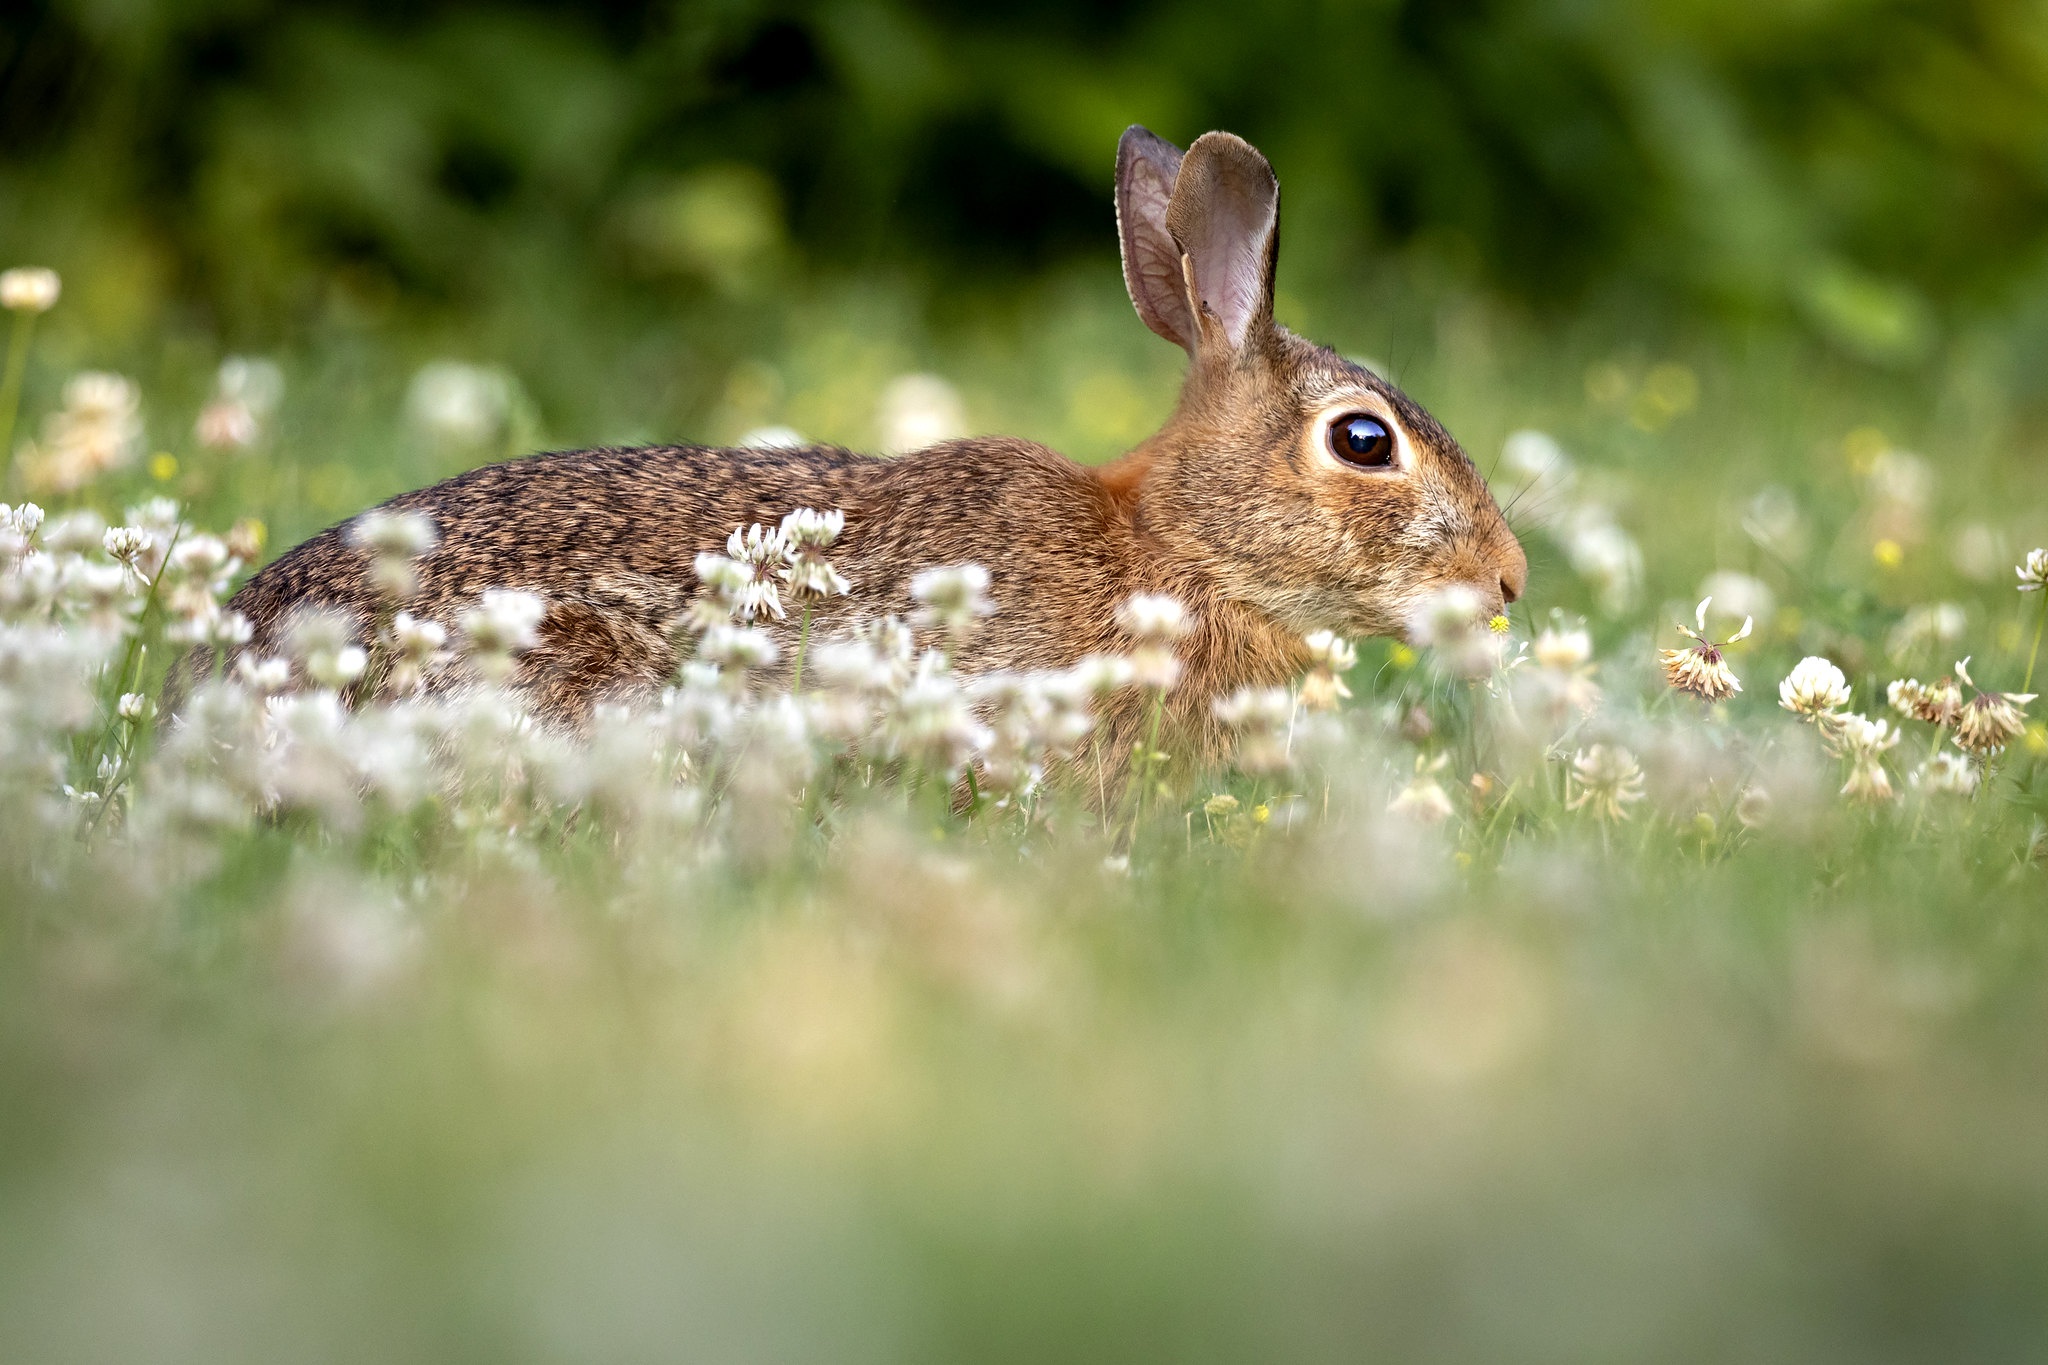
x=608 y=537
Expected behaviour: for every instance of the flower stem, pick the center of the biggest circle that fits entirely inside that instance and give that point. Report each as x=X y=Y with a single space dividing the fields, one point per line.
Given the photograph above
x=803 y=638
x=2034 y=656
x=10 y=388
x=1141 y=764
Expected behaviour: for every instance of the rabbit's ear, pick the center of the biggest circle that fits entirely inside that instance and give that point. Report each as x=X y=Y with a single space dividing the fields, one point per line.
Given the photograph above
x=1146 y=165
x=1225 y=216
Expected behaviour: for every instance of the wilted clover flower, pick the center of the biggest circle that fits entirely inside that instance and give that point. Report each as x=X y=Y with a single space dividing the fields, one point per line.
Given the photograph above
x=29 y=289
x=2034 y=571
x=393 y=540
x=807 y=533
x=504 y=622
x=1990 y=720
x=1258 y=719
x=1330 y=657
x=954 y=599
x=1948 y=775
x=1606 y=780
x=1936 y=703
x=1699 y=668
x=1864 y=742
x=1815 y=689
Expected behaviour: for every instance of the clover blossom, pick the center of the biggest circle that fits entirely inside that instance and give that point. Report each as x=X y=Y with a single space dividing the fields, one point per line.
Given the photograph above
x=1990 y=720
x=1815 y=689
x=1606 y=780
x=1155 y=622
x=1699 y=668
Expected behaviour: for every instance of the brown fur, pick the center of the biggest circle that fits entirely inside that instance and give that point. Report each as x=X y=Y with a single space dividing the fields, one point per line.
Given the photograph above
x=1229 y=507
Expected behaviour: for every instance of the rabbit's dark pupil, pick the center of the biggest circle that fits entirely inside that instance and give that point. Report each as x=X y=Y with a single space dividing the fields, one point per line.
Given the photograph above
x=1363 y=440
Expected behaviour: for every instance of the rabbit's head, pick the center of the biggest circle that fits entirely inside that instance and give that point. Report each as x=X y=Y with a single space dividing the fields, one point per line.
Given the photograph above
x=1300 y=482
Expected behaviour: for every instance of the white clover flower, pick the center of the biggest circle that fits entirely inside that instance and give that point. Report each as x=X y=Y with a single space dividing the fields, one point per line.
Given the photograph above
x=773 y=438
x=757 y=545
x=25 y=519
x=98 y=429
x=744 y=649
x=393 y=541
x=1606 y=556
x=504 y=622
x=1154 y=618
x=133 y=706
x=339 y=668
x=1934 y=627
x=2033 y=573
x=1258 y=719
x=1155 y=622
x=932 y=724
x=1097 y=675
x=1947 y=774
x=263 y=676
x=394 y=535
x=457 y=404
x=1330 y=658
x=416 y=646
x=808 y=533
x=200 y=556
x=29 y=289
x=226 y=630
x=809 y=529
x=1606 y=780
x=737 y=590
x=1422 y=800
x=1563 y=651
x=1453 y=623
x=126 y=544
x=918 y=410
x=246 y=391
x=954 y=599
x=1864 y=742
x=1815 y=688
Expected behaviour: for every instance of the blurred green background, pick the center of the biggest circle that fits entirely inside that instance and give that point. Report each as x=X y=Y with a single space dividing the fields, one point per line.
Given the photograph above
x=621 y=202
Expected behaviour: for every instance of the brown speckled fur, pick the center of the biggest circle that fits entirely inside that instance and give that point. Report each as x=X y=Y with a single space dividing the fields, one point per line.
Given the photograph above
x=1231 y=507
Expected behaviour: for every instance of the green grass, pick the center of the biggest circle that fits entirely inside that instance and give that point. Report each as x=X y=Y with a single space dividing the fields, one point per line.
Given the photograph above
x=895 y=1085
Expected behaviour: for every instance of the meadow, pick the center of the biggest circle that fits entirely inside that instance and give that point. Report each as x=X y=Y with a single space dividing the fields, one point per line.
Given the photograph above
x=1501 y=1001
x=1519 y=991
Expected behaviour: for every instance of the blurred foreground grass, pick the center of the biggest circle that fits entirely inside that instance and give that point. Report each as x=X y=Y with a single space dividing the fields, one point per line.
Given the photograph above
x=1525 y=1090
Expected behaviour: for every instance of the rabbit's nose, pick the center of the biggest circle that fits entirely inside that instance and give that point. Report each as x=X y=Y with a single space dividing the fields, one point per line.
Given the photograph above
x=1514 y=578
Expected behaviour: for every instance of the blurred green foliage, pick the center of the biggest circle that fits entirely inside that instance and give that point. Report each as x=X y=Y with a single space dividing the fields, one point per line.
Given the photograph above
x=643 y=182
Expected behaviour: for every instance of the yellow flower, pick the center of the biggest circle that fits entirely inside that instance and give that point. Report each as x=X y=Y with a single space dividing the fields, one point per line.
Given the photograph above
x=1888 y=553
x=1499 y=624
x=163 y=466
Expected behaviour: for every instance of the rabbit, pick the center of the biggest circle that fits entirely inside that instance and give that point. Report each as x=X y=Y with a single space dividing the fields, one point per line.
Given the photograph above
x=1290 y=491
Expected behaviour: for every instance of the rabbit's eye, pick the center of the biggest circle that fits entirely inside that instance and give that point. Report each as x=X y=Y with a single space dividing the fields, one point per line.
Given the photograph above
x=1362 y=440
